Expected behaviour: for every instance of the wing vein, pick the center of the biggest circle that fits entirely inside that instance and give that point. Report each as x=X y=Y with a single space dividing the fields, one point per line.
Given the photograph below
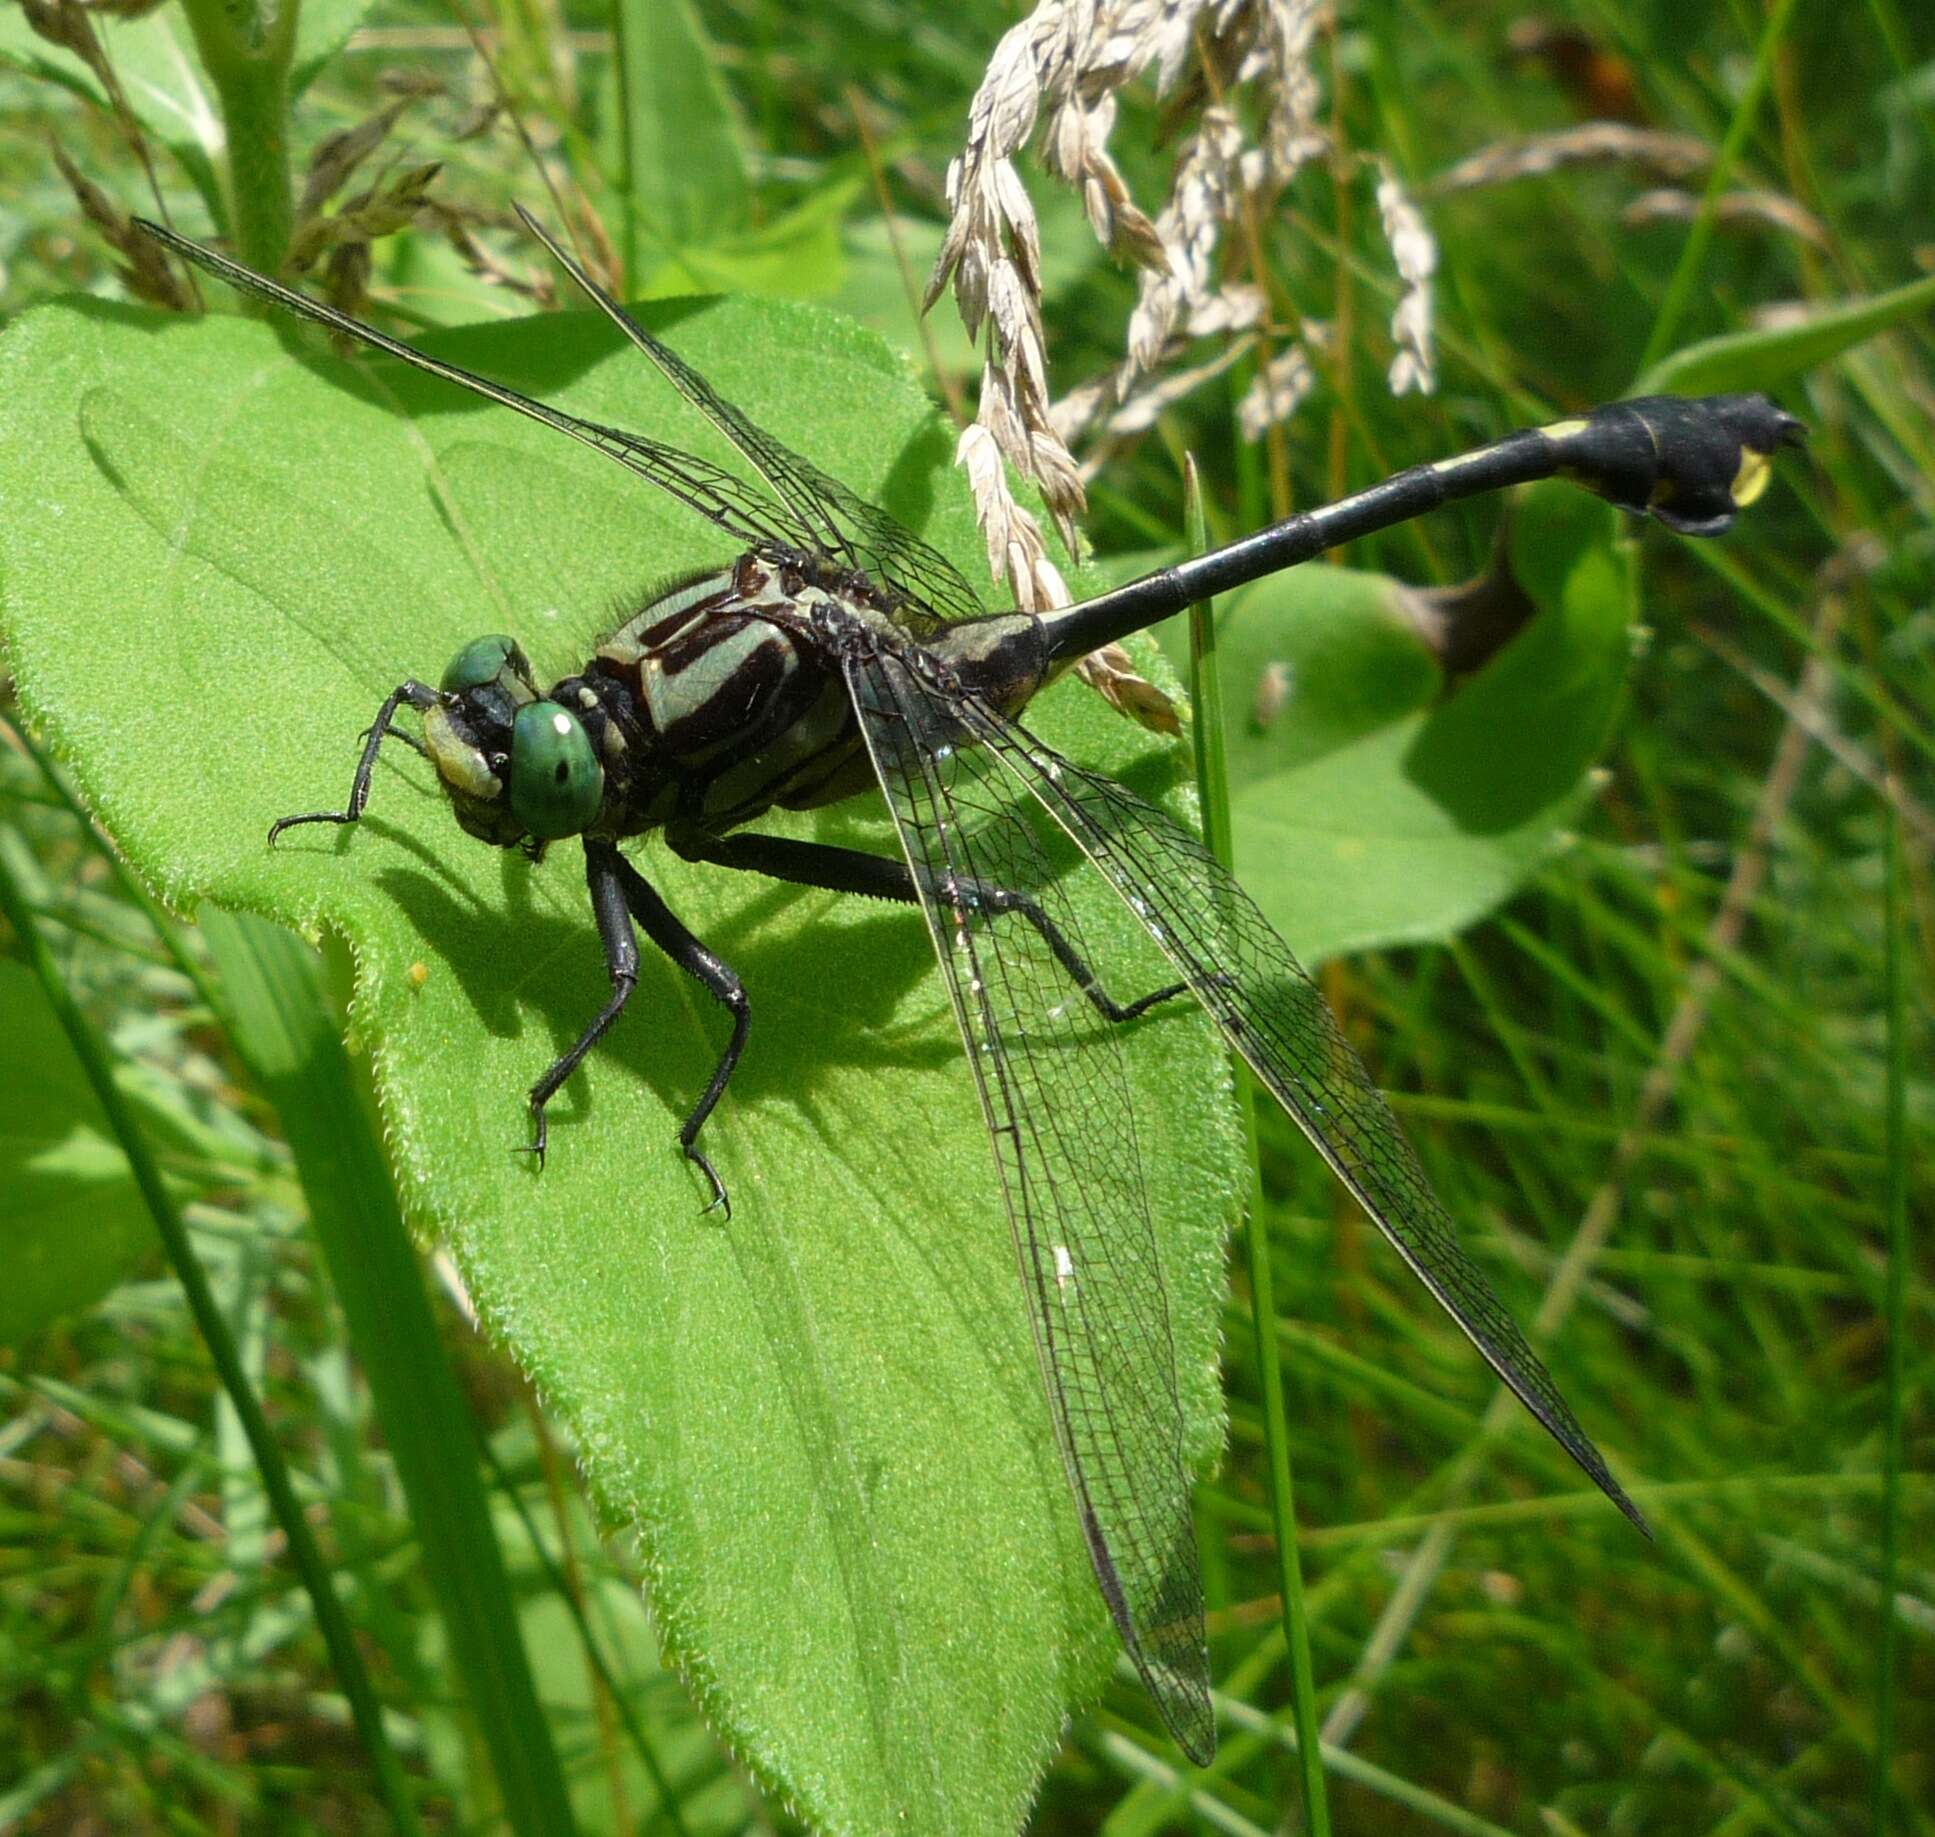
x=1055 y=1096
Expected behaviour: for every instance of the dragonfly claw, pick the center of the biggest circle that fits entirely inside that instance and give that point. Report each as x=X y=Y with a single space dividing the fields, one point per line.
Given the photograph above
x=541 y=1134
x=721 y=1201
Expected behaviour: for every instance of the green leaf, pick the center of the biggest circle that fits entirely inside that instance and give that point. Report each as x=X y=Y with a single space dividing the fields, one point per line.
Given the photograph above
x=1769 y=354
x=1370 y=810
x=824 y=1416
x=71 y=1220
x=684 y=173
x=797 y=256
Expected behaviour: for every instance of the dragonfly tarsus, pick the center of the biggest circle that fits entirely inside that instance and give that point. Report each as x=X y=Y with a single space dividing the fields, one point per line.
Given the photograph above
x=411 y=692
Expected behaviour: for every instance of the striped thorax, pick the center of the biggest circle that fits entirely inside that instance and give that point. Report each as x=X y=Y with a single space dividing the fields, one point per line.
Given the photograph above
x=722 y=698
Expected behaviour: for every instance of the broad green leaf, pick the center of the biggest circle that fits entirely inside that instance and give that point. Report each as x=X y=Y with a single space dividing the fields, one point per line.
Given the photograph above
x=1369 y=808
x=824 y=1415
x=71 y=1223
x=1768 y=355
x=677 y=149
x=797 y=256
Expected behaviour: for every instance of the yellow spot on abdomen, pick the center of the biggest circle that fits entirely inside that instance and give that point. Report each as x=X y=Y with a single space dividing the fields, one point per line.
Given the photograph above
x=1751 y=480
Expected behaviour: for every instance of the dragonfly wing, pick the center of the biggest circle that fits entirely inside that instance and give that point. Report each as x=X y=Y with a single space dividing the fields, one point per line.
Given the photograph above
x=1274 y=1015
x=749 y=515
x=1056 y=1101
x=834 y=521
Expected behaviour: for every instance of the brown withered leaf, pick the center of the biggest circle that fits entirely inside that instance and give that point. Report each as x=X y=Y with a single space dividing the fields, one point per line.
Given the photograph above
x=143 y=268
x=380 y=211
x=338 y=155
x=1112 y=675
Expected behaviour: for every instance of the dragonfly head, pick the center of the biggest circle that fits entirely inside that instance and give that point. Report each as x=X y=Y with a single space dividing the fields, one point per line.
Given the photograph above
x=518 y=768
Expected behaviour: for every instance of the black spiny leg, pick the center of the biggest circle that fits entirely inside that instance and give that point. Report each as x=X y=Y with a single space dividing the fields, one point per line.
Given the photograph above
x=418 y=698
x=619 y=894
x=608 y=908
x=851 y=870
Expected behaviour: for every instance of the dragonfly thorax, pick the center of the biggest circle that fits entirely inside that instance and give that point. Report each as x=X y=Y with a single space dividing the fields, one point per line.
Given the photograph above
x=722 y=697
x=719 y=699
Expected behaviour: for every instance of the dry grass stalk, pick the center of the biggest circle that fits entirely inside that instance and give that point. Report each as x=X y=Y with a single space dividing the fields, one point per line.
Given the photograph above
x=144 y=268
x=1277 y=392
x=1732 y=210
x=1596 y=143
x=70 y=25
x=1057 y=75
x=1077 y=410
x=1415 y=253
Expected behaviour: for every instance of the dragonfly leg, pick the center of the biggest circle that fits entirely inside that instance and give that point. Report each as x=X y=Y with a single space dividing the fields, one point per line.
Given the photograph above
x=852 y=870
x=610 y=908
x=721 y=981
x=620 y=894
x=410 y=740
x=419 y=698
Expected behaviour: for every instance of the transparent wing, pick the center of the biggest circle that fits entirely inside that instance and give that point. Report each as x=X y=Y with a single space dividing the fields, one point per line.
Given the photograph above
x=840 y=523
x=744 y=511
x=1056 y=1102
x=1273 y=1014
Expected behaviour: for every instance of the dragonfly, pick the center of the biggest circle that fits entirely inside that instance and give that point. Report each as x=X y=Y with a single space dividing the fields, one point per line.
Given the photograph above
x=838 y=654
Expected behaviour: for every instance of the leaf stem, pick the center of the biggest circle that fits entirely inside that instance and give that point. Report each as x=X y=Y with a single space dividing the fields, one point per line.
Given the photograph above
x=247 y=47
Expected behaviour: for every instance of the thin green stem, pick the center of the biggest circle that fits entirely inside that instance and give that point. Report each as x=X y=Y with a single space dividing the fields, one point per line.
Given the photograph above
x=333 y=1622
x=1679 y=289
x=1212 y=778
x=1896 y=1123
x=247 y=46
x=625 y=58
x=589 y=1640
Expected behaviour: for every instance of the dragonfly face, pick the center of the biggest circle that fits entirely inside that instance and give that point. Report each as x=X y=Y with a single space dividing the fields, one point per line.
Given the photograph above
x=518 y=768
x=840 y=653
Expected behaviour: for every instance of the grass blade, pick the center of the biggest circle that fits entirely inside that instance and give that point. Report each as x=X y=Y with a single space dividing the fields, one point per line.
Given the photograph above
x=1679 y=289
x=1206 y=698
x=282 y=1024
x=1895 y=1017
x=330 y=1617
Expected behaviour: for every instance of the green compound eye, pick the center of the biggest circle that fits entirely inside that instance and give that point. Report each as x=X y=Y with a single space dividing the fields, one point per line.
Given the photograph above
x=481 y=661
x=557 y=783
